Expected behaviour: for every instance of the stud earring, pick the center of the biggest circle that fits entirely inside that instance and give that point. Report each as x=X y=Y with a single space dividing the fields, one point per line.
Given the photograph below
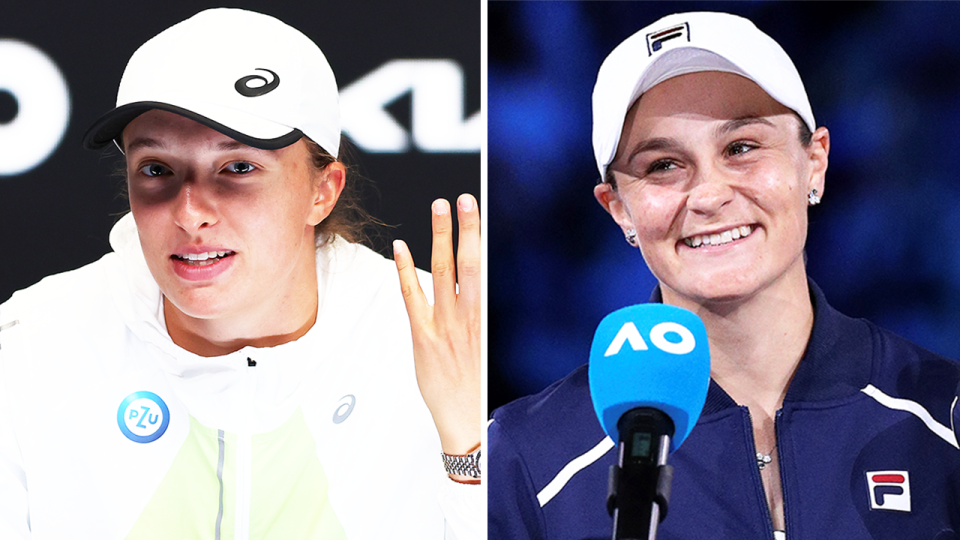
x=813 y=199
x=631 y=236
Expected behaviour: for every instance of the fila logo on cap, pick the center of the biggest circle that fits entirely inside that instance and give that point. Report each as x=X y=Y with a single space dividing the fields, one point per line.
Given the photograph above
x=264 y=87
x=889 y=490
x=655 y=40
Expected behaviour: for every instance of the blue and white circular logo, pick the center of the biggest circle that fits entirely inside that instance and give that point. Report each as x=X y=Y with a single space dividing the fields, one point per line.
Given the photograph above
x=143 y=417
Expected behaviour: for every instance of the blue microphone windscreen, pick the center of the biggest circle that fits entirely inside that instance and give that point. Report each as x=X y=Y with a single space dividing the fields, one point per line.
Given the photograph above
x=650 y=355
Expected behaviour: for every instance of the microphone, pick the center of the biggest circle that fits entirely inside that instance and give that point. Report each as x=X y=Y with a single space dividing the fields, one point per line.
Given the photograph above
x=649 y=372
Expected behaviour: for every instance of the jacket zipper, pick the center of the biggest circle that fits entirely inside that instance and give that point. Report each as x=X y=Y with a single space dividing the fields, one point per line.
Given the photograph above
x=777 y=426
x=755 y=471
x=244 y=460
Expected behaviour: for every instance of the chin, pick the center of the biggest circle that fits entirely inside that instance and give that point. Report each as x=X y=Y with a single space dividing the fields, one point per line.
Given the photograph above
x=717 y=288
x=200 y=304
x=722 y=297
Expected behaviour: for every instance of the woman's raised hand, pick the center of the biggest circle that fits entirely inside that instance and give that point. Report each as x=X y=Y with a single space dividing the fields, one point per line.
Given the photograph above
x=446 y=335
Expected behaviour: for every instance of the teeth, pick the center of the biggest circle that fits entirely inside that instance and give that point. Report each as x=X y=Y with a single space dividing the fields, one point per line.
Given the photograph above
x=718 y=239
x=199 y=257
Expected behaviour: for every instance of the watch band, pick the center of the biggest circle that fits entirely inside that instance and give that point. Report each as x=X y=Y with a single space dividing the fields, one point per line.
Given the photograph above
x=467 y=465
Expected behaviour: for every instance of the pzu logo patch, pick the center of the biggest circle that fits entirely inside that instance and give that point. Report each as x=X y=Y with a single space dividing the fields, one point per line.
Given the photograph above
x=656 y=40
x=143 y=417
x=889 y=490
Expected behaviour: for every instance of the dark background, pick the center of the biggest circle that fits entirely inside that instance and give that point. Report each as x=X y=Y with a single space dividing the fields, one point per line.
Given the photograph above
x=884 y=244
x=57 y=216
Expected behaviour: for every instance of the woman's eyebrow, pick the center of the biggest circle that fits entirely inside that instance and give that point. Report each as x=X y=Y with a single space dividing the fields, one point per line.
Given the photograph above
x=143 y=142
x=737 y=123
x=147 y=142
x=233 y=145
x=653 y=145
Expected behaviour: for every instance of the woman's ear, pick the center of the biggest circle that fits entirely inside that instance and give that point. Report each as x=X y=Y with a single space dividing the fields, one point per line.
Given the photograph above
x=327 y=186
x=818 y=153
x=609 y=199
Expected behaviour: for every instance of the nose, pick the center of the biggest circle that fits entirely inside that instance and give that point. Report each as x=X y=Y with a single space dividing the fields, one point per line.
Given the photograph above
x=711 y=191
x=195 y=207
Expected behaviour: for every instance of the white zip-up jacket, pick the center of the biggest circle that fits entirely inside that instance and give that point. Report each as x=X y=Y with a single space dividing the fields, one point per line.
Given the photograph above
x=109 y=430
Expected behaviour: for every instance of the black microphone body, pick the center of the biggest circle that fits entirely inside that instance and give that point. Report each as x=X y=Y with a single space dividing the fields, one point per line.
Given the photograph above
x=640 y=482
x=649 y=374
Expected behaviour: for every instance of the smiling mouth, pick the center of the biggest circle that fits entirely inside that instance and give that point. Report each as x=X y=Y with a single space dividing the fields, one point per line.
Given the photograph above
x=718 y=239
x=202 y=259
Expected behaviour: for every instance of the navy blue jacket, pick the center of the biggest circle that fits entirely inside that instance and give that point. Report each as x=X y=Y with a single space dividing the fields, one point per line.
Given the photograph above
x=865 y=439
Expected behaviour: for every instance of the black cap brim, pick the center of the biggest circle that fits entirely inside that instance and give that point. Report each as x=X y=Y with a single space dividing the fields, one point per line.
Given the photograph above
x=109 y=127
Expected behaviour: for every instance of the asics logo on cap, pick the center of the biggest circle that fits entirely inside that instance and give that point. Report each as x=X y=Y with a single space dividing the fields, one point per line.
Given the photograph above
x=243 y=85
x=655 y=40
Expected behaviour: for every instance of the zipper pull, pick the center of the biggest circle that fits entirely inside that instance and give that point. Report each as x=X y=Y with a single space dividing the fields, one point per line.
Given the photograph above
x=251 y=362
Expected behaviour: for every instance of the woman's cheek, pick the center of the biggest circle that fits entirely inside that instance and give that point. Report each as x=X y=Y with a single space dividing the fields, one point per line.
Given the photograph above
x=657 y=212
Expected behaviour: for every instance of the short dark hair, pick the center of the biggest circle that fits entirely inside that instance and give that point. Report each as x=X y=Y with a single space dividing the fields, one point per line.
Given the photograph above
x=806 y=136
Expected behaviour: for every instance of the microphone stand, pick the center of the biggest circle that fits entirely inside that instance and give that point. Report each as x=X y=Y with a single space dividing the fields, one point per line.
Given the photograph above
x=640 y=481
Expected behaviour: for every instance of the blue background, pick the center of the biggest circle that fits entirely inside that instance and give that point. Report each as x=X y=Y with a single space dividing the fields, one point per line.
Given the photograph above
x=884 y=244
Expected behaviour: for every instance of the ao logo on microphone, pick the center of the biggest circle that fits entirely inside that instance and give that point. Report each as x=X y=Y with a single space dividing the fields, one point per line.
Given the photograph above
x=681 y=339
x=35 y=104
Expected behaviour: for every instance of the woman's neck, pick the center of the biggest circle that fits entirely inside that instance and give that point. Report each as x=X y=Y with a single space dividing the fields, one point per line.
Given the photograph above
x=217 y=338
x=757 y=342
x=286 y=317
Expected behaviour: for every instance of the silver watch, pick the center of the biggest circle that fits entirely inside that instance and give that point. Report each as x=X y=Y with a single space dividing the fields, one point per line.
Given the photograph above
x=468 y=465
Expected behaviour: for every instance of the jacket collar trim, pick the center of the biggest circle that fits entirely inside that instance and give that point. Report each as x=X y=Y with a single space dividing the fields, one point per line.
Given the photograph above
x=837 y=363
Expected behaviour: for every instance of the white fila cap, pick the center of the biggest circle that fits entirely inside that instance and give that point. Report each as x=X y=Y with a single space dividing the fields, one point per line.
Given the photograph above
x=688 y=43
x=244 y=74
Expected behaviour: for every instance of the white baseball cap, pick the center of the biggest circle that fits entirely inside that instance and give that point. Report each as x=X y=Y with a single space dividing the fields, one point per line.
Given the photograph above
x=688 y=43
x=244 y=74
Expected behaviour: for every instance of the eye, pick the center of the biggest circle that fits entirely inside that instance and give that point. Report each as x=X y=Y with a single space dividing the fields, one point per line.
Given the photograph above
x=740 y=147
x=661 y=165
x=154 y=169
x=240 y=167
